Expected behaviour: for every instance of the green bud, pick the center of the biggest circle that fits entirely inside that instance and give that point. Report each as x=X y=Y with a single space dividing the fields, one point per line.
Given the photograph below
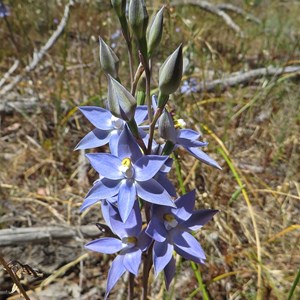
x=108 y=60
x=170 y=73
x=138 y=18
x=119 y=7
x=154 y=31
x=166 y=128
x=141 y=90
x=120 y=102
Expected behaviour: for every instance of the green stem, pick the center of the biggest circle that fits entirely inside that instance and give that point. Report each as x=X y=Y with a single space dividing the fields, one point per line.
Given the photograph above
x=130 y=58
x=295 y=283
x=136 y=79
x=152 y=128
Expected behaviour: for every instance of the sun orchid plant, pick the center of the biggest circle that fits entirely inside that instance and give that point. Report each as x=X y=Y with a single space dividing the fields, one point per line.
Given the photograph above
x=138 y=201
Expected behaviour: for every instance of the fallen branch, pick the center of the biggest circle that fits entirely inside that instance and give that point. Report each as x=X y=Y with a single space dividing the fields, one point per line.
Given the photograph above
x=243 y=77
x=239 y=11
x=17 y=236
x=9 y=72
x=16 y=102
x=29 y=104
x=37 y=56
x=213 y=9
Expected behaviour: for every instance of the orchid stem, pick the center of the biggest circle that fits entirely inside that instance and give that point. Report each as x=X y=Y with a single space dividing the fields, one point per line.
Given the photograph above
x=130 y=58
x=146 y=270
x=137 y=76
x=131 y=287
x=152 y=127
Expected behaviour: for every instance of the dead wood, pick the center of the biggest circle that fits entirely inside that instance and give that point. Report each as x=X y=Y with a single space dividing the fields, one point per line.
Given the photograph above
x=243 y=78
x=29 y=104
x=239 y=11
x=213 y=9
x=37 y=56
x=36 y=235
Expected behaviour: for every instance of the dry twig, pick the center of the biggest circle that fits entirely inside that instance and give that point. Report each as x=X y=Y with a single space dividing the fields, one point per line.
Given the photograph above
x=244 y=77
x=213 y=9
x=17 y=236
x=239 y=11
x=37 y=56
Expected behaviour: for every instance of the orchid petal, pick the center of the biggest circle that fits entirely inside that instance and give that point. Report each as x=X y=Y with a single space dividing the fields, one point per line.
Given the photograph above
x=188 y=134
x=141 y=114
x=147 y=166
x=87 y=203
x=106 y=164
x=162 y=254
x=144 y=241
x=131 y=227
x=189 y=143
x=108 y=245
x=202 y=156
x=156 y=229
x=185 y=205
x=153 y=192
x=95 y=138
x=188 y=247
x=126 y=199
x=169 y=272
x=99 y=117
x=114 y=274
x=103 y=189
x=132 y=260
x=106 y=209
x=199 y=218
x=166 y=183
x=128 y=147
x=113 y=141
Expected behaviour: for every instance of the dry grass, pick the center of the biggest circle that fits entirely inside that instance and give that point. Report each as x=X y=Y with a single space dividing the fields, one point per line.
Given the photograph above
x=253 y=133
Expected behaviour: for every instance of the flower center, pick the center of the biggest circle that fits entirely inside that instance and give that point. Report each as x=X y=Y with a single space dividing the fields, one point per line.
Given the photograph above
x=179 y=124
x=126 y=168
x=130 y=241
x=170 y=221
x=117 y=123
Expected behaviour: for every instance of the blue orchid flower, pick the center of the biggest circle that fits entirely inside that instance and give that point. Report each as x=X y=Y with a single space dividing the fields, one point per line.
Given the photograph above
x=108 y=127
x=130 y=242
x=188 y=139
x=171 y=229
x=128 y=175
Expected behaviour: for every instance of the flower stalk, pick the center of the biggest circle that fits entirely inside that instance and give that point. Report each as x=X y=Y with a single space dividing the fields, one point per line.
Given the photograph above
x=139 y=203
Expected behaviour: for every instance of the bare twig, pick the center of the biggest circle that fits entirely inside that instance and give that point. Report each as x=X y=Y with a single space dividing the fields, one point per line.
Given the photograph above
x=213 y=9
x=37 y=56
x=244 y=77
x=9 y=72
x=228 y=81
x=239 y=11
x=17 y=236
x=13 y=277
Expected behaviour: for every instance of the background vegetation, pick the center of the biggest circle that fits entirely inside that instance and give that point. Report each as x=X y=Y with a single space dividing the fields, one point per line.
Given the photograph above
x=252 y=245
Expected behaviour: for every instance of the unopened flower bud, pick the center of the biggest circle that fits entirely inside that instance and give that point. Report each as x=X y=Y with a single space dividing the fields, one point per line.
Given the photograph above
x=166 y=128
x=141 y=90
x=119 y=7
x=154 y=31
x=121 y=103
x=108 y=60
x=138 y=18
x=170 y=73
